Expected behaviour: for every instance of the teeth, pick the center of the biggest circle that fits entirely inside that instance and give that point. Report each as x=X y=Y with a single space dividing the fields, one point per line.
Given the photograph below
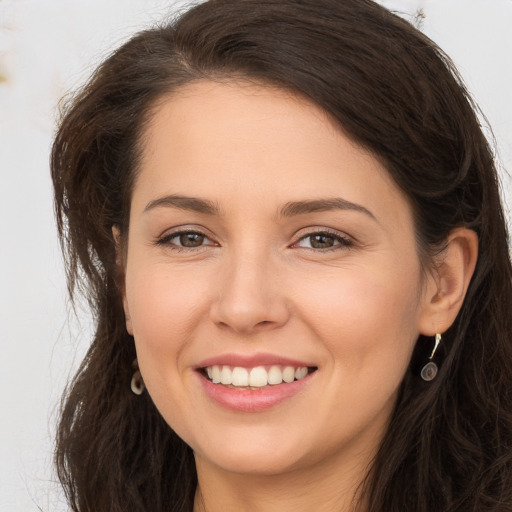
x=275 y=375
x=289 y=374
x=256 y=377
x=240 y=376
x=300 y=373
x=215 y=374
x=226 y=375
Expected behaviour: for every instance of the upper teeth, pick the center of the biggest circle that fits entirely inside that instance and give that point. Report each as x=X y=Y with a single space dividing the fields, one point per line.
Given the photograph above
x=256 y=377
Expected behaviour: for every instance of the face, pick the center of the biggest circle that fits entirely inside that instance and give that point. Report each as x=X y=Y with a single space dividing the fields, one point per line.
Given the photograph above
x=272 y=281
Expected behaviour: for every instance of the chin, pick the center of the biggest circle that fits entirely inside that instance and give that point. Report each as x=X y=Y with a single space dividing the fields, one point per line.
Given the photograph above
x=255 y=464
x=254 y=455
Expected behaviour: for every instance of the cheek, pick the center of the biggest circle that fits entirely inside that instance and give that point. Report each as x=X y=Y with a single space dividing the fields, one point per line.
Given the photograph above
x=164 y=306
x=368 y=320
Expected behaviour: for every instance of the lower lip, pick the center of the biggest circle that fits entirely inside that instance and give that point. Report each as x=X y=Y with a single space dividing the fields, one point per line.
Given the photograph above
x=252 y=400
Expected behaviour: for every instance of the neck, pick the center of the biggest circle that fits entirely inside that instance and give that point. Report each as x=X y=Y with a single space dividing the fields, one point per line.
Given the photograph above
x=330 y=487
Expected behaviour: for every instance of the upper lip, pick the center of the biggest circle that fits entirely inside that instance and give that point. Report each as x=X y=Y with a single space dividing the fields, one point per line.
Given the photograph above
x=251 y=361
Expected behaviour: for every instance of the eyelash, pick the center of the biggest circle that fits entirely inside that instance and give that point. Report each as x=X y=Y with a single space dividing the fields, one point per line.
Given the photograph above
x=166 y=240
x=342 y=242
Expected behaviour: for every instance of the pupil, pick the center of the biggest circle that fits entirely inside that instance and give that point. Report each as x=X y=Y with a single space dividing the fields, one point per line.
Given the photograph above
x=322 y=241
x=191 y=239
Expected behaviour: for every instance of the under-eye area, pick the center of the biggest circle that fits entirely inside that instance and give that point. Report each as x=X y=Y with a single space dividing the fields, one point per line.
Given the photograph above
x=255 y=377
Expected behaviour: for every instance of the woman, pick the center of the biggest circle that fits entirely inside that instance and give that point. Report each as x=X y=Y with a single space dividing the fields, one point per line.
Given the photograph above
x=287 y=221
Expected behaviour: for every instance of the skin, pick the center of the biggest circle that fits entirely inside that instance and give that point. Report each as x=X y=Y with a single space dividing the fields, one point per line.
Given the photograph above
x=257 y=283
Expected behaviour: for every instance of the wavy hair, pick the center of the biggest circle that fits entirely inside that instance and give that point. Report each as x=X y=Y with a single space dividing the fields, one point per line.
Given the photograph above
x=394 y=92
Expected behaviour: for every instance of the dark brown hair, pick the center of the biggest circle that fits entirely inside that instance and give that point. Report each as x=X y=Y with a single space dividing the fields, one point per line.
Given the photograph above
x=449 y=444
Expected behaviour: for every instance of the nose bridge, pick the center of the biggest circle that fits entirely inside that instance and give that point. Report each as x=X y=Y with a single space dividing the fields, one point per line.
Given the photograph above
x=249 y=296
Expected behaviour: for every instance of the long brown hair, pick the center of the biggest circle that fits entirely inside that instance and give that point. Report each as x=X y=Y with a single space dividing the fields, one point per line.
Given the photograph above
x=449 y=444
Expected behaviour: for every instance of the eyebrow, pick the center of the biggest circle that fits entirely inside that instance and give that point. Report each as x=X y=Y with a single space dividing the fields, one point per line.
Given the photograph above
x=185 y=203
x=321 y=205
x=290 y=209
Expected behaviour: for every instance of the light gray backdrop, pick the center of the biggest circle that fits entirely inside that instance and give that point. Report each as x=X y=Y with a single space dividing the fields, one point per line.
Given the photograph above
x=48 y=47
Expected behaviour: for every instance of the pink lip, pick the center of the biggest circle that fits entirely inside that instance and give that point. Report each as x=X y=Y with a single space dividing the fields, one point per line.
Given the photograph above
x=251 y=361
x=257 y=400
x=251 y=400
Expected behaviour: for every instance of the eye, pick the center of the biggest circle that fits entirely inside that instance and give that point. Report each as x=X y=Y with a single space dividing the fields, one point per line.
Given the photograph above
x=185 y=240
x=324 y=240
x=189 y=239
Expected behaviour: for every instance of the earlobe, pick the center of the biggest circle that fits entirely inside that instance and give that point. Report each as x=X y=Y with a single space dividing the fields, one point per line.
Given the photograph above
x=449 y=281
x=120 y=276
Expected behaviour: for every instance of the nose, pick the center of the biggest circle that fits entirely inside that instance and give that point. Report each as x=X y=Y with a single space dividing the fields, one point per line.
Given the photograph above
x=250 y=297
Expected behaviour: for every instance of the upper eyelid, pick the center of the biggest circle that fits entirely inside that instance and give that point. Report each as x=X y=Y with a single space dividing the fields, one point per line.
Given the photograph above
x=178 y=230
x=305 y=232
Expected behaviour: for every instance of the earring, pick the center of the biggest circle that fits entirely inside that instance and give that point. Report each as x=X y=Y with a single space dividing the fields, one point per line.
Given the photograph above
x=429 y=371
x=137 y=383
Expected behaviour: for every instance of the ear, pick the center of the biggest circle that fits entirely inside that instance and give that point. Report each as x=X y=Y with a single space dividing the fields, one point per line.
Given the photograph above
x=448 y=282
x=120 y=270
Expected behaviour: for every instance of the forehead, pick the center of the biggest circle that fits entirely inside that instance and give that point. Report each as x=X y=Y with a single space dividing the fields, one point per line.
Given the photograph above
x=205 y=112
x=243 y=143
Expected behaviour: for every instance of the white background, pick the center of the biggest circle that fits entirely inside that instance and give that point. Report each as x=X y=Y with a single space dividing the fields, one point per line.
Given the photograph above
x=48 y=47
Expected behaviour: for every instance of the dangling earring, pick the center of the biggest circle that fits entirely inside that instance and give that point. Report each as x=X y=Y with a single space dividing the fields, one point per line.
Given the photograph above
x=429 y=371
x=137 y=384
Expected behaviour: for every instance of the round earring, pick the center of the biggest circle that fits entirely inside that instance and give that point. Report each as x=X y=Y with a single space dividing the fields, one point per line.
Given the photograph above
x=137 y=383
x=430 y=369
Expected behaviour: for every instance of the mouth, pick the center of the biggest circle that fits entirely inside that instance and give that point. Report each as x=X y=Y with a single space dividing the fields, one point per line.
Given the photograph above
x=254 y=383
x=257 y=377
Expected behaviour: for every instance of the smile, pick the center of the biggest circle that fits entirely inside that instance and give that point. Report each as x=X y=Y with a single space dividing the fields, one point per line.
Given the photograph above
x=256 y=377
x=251 y=384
